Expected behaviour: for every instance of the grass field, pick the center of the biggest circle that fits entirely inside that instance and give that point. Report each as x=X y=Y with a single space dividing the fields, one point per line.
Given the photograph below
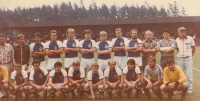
x=195 y=96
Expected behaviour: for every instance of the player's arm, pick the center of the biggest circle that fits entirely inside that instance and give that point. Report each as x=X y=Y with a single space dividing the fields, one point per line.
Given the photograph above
x=109 y=51
x=146 y=78
x=65 y=82
x=81 y=80
x=32 y=83
x=169 y=50
x=25 y=82
x=83 y=51
x=138 y=78
x=193 y=50
x=99 y=83
x=49 y=53
x=119 y=80
x=107 y=81
x=157 y=82
x=125 y=79
x=12 y=83
x=151 y=51
x=47 y=78
x=71 y=80
x=59 y=51
x=139 y=49
x=69 y=50
x=91 y=87
x=117 y=49
x=127 y=48
x=43 y=53
x=92 y=50
x=50 y=83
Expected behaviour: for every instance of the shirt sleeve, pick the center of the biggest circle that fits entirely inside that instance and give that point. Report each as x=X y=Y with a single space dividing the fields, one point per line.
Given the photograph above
x=47 y=45
x=43 y=44
x=52 y=73
x=81 y=43
x=89 y=76
x=44 y=70
x=126 y=42
x=158 y=44
x=119 y=73
x=97 y=45
x=13 y=74
x=182 y=76
x=64 y=45
x=145 y=70
x=140 y=43
x=173 y=44
x=24 y=73
x=137 y=70
x=93 y=43
x=77 y=43
x=113 y=42
x=64 y=73
x=82 y=71
x=160 y=72
x=110 y=44
x=192 y=42
x=31 y=47
x=60 y=44
x=125 y=70
x=31 y=75
x=70 y=72
x=101 y=75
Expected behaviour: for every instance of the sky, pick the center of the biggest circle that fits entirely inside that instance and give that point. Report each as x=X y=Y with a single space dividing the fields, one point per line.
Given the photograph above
x=192 y=7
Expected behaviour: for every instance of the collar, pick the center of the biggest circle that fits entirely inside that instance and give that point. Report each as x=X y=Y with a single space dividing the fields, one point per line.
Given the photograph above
x=169 y=39
x=185 y=37
x=146 y=40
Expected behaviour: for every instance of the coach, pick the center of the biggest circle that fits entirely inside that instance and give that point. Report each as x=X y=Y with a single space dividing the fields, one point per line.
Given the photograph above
x=185 y=51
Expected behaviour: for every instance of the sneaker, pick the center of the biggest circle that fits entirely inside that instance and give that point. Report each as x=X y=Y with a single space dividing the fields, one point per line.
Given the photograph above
x=189 y=92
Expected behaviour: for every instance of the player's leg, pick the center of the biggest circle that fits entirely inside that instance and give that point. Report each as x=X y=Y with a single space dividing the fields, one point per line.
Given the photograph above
x=138 y=89
x=45 y=92
x=146 y=91
x=71 y=89
x=157 y=91
x=119 y=90
x=127 y=89
x=26 y=91
x=166 y=89
x=108 y=90
x=183 y=87
x=51 y=92
x=87 y=88
x=101 y=90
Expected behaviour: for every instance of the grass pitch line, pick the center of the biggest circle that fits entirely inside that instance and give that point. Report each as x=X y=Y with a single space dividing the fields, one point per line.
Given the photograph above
x=196 y=69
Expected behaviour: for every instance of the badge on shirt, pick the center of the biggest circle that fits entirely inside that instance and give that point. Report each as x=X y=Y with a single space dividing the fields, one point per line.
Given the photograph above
x=55 y=48
x=115 y=77
x=21 y=78
x=133 y=75
x=106 y=46
x=121 y=43
x=89 y=45
x=40 y=76
x=73 y=45
x=40 y=49
x=61 y=77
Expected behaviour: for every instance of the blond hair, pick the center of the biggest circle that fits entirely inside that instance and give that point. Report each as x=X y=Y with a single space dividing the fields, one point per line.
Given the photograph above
x=148 y=31
x=19 y=36
x=182 y=29
x=95 y=65
x=118 y=29
x=103 y=33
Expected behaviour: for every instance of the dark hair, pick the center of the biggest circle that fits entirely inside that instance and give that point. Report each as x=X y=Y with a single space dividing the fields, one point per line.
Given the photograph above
x=166 y=30
x=35 y=62
x=58 y=64
x=37 y=34
x=18 y=65
x=153 y=58
x=170 y=60
x=132 y=61
x=87 y=31
x=1 y=35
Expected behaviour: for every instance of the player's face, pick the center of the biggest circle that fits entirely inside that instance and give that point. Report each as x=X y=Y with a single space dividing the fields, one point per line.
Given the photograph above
x=131 y=65
x=103 y=37
x=134 y=34
x=2 y=40
x=37 y=39
x=18 y=70
x=94 y=69
x=53 y=36
x=170 y=66
x=166 y=35
x=118 y=34
x=181 y=34
x=58 y=68
x=70 y=34
x=151 y=63
x=112 y=64
x=87 y=35
x=21 y=40
x=36 y=66
x=76 y=66
x=148 y=35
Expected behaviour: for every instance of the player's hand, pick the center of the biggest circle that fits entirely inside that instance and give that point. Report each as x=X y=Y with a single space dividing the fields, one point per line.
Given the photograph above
x=129 y=85
x=171 y=85
x=133 y=85
x=26 y=67
x=149 y=85
x=93 y=97
x=16 y=87
x=74 y=82
x=114 y=85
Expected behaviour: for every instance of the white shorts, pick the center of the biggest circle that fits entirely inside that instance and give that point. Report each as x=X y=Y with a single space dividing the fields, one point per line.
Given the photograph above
x=42 y=64
x=57 y=84
x=138 y=60
x=86 y=63
x=68 y=62
x=103 y=64
x=51 y=62
x=28 y=70
x=121 y=61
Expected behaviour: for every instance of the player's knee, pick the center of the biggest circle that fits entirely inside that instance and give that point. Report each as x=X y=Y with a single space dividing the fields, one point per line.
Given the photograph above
x=163 y=87
x=185 y=85
x=139 y=85
x=100 y=87
x=125 y=85
x=120 y=86
x=25 y=87
x=106 y=87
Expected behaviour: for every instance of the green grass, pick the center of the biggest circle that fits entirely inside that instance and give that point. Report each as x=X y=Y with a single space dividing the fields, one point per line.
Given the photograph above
x=195 y=96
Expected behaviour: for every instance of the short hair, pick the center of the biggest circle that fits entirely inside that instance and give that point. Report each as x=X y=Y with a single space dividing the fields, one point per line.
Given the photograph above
x=132 y=61
x=166 y=30
x=103 y=33
x=35 y=62
x=153 y=58
x=38 y=34
x=76 y=62
x=18 y=65
x=118 y=29
x=53 y=31
x=134 y=30
x=95 y=65
x=110 y=61
x=19 y=36
x=170 y=60
x=70 y=29
x=182 y=29
x=58 y=64
x=147 y=32
x=87 y=31
x=1 y=35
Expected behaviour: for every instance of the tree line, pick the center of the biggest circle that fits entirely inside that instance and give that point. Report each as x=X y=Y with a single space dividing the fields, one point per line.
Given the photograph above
x=69 y=11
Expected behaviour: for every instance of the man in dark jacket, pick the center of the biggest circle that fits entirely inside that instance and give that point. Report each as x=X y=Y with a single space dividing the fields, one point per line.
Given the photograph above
x=22 y=53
